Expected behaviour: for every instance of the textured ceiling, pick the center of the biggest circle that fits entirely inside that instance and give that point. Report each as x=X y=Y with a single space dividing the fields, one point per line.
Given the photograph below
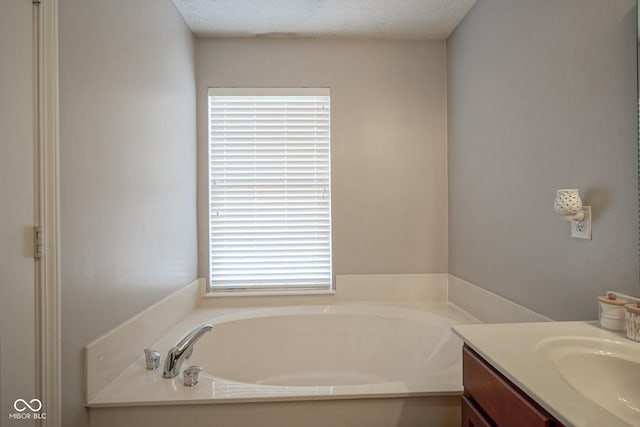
x=380 y=19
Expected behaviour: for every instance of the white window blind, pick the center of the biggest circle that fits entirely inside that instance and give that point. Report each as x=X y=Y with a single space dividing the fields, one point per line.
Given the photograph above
x=269 y=188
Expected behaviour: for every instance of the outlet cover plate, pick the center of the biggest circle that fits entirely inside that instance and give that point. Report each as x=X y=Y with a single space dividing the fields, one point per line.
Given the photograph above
x=582 y=229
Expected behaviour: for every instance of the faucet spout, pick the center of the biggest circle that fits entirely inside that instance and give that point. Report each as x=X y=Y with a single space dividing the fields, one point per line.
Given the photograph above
x=183 y=350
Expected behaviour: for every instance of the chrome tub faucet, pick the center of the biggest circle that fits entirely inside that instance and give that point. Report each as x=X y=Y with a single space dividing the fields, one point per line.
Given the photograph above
x=182 y=351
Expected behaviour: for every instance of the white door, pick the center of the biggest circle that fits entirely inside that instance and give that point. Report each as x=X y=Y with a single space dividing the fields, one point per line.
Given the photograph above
x=17 y=213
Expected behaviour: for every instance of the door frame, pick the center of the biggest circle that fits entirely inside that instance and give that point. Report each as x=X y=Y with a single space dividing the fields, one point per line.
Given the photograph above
x=48 y=279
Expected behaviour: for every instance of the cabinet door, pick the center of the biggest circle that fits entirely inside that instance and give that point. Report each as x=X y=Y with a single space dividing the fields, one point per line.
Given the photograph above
x=471 y=416
x=505 y=404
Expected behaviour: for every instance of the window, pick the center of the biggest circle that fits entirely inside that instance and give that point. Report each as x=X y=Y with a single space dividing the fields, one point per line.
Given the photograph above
x=269 y=189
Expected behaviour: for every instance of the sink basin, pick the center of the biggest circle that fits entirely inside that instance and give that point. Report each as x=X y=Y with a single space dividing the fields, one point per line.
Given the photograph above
x=606 y=372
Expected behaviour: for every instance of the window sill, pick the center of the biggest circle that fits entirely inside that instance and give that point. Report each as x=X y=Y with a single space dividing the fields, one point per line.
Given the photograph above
x=225 y=294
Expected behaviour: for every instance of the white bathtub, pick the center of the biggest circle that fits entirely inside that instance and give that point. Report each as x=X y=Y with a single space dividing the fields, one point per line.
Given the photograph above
x=351 y=349
x=340 y=362
x=341 y=351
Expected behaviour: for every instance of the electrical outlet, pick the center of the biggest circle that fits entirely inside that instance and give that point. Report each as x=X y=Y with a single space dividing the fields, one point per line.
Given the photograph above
x=582 y=229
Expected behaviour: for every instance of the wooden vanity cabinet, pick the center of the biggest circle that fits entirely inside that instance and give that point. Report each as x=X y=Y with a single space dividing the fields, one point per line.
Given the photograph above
x=491 y=400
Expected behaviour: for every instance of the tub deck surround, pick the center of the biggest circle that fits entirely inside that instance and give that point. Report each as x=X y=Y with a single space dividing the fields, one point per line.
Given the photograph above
x=349 y=288
x=364 y=375
x=518 y=352
x=109 y=355
x=486 y=306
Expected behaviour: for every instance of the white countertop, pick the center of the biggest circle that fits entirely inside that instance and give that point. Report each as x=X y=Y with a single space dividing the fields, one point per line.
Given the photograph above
x=513 y=349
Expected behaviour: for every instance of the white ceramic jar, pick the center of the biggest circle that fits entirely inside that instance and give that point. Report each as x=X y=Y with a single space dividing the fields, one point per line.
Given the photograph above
x=612 y=312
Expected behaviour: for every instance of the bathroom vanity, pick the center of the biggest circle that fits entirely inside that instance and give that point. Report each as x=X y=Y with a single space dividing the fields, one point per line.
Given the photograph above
x=571 y=374
x=490 y=399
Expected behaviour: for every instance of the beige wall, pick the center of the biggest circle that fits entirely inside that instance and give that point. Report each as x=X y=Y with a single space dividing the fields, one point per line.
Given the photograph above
x=17 y=194
x=541 y=96
x=388 y=130
x=127 y=136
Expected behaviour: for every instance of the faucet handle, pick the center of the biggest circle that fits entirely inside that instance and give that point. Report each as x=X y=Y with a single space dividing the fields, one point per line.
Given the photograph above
x=152 y=358
x=190 y=375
